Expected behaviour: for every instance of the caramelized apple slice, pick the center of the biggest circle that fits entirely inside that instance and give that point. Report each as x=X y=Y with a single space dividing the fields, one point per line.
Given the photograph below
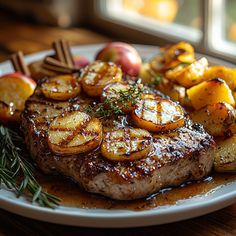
x=15 y=89
x=158 y=115
x=114 y=92
x=61 y=87
x=126 y=144
x=73 y=133
x=98 y=75
x=190 y=75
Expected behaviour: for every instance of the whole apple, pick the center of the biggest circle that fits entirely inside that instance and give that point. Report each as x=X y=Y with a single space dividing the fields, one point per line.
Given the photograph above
x=80 y=61
x=123 y=55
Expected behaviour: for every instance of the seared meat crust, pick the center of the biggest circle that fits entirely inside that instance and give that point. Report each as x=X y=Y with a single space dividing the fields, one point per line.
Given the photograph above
x=183 y=154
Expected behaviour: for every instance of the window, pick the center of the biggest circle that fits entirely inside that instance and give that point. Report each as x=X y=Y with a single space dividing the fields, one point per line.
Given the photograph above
x=157 y=16
x=222 y=27
x=210 y=25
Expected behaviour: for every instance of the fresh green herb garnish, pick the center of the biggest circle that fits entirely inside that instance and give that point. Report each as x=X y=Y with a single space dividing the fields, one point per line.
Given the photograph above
x=184 y=64
x=155 y=81
x=115 y=105
x=17 y=173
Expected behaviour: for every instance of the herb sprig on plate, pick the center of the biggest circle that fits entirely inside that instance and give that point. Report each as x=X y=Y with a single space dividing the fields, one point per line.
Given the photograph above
x=17 y=173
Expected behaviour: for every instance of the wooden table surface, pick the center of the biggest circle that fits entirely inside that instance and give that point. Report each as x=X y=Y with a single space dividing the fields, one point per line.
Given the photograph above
x=16 y=35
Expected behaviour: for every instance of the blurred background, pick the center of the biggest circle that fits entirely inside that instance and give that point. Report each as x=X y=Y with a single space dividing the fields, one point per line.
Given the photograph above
x=31 y=25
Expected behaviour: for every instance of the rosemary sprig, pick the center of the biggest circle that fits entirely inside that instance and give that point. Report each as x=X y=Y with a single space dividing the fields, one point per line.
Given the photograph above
x=17 y=173
x=114 y=105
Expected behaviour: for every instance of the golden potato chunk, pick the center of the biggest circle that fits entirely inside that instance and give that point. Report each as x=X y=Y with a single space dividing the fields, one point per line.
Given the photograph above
x=158 y=115
x=126 y=144
x=74 y=132
x=216 y=118
x=61 y=87
x=225 y=155
x=98 y=75
x=222 y=72
x=210 y=92
x=189 y=75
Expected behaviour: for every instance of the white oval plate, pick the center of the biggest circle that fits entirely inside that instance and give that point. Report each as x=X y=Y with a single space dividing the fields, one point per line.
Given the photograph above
x=216 y=199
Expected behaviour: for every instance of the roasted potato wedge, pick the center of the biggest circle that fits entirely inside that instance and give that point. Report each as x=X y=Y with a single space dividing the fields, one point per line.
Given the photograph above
x=158 y=115
x=98 y=75
x=225 y=73
x=216 y=118
x=74 y=132
x=225 y=155
x=210 y=92
x=126 y=144
x=188 y=75
x=62 y=87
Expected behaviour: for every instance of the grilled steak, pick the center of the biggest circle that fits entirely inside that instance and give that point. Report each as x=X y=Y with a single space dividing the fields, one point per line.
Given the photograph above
x=177 y=156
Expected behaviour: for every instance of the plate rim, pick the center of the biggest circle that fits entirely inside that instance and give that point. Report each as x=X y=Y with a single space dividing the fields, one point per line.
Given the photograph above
x=26 y=208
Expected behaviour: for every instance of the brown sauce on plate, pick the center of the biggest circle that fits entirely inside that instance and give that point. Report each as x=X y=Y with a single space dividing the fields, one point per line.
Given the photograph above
x=72 y=195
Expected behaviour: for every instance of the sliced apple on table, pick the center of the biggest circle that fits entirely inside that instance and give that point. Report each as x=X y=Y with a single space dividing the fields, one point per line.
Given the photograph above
x=61 y=87
x=126 y=144
x=98 y=75
x=122 y=54
x=15 y=89
x=74 y=132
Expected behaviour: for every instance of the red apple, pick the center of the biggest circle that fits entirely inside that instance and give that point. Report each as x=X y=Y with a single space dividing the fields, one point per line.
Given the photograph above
x=15 y=88
x=123 y=55
x=80 y=61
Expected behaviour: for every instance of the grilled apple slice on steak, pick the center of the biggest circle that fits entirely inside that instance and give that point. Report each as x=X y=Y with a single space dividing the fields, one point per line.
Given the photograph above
x=61 y=87
x=126 y=144
x=73 y=133
x=158 y=115
x=117 y=90
x=98 y=75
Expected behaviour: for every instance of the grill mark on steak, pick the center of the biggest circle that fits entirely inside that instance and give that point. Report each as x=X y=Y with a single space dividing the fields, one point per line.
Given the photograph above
x=177 y=156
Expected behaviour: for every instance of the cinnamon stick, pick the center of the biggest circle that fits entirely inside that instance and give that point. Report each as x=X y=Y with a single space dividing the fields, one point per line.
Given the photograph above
x=18 y=62
x=63 y=52
x=53 y=64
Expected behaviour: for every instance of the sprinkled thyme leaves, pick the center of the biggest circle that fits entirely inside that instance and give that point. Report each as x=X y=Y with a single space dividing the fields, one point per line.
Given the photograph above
x=155 y=81
x=114 y=106
x=184 y=64
x=17 y=173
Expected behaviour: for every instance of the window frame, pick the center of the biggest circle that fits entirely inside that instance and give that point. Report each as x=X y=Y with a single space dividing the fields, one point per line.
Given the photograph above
x=208 y=43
